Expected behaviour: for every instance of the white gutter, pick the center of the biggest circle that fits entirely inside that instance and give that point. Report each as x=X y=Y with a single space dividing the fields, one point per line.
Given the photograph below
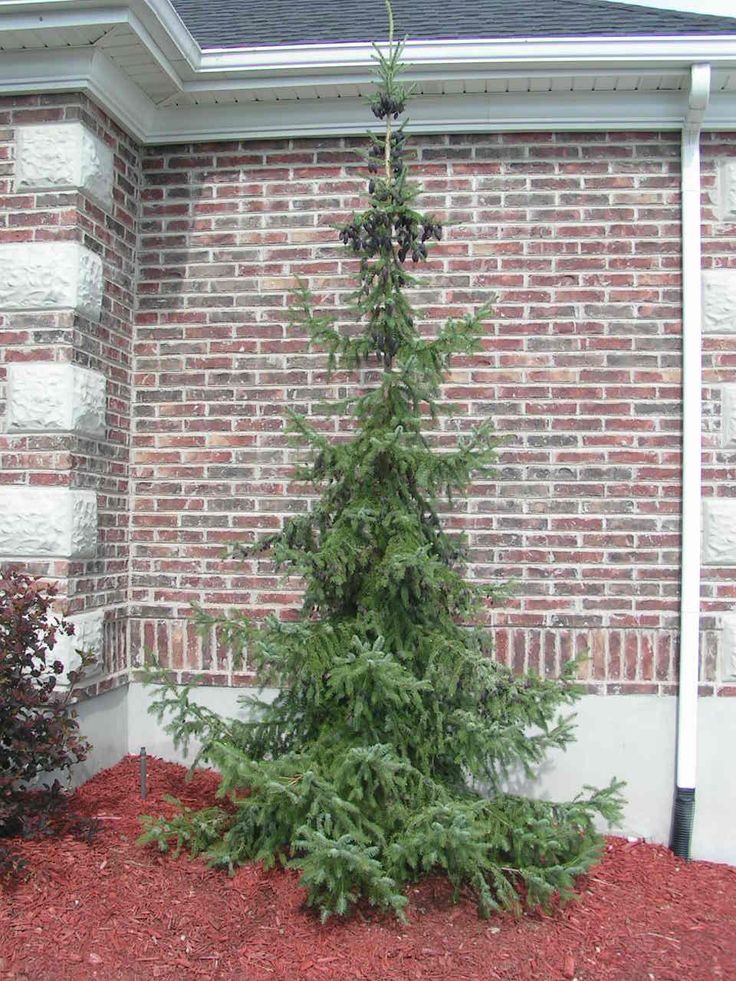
x=456 y=55
x=687 y=705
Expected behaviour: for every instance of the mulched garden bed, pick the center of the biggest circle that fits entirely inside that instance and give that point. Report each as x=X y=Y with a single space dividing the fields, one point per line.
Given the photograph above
x=110 y=909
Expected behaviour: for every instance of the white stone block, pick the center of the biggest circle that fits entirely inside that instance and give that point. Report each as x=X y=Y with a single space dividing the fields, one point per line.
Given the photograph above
x=53 y=521
x=728 y=416
x=719 y=531
x=50 y=276
x=46 y=397
x=64 y=156
x=87 y=636
x=726 y=190
x=719 y=301
x=728 y=649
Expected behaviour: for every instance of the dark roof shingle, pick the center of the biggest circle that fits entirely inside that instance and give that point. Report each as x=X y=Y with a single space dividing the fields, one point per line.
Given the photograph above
x=235 y=23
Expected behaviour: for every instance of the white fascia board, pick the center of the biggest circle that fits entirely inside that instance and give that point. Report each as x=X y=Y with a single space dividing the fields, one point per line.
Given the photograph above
x=430 y=114
x=121 y=97
x=38 y=70
x=79 y=70
x=721 y=112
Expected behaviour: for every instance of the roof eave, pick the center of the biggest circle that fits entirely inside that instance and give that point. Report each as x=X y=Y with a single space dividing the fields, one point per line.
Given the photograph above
x=500 y=52
x=328 y=71
x=453 y=57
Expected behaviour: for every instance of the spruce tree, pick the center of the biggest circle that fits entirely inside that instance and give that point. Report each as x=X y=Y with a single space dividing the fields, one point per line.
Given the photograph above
x=386 y=752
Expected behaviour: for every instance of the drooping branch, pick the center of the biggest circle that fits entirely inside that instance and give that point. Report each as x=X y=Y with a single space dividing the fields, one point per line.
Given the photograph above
x=357 y=772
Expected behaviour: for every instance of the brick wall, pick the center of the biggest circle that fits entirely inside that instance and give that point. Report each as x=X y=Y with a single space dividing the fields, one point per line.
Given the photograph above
x=579 y=234
x=66 y=459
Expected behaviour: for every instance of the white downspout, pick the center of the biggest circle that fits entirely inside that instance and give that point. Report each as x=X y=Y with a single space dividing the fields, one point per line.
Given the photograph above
x=687 y=705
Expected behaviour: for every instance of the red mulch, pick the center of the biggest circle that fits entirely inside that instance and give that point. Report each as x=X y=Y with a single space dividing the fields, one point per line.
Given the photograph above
x=110 y=909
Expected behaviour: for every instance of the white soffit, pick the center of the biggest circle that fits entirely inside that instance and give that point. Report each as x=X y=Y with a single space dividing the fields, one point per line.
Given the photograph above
x=138 y=60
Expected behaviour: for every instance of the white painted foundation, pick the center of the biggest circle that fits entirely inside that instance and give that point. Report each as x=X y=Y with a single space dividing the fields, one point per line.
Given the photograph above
x=145 y=730
x=104 y=721
x=631 y=737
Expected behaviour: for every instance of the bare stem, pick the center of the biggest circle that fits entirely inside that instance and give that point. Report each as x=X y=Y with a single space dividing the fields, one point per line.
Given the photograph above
x=387 y=151
x=387 y=148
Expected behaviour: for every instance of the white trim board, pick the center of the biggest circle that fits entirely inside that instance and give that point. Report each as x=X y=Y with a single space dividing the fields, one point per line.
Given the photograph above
x=233 y=93
x=94 y=73
x=432 y=114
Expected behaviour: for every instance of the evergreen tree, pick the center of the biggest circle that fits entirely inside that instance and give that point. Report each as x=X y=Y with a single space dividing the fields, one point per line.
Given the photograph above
x=364 y=771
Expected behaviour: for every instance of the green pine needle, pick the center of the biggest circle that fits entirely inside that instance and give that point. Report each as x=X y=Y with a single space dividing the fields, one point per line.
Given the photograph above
x=390 y=709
